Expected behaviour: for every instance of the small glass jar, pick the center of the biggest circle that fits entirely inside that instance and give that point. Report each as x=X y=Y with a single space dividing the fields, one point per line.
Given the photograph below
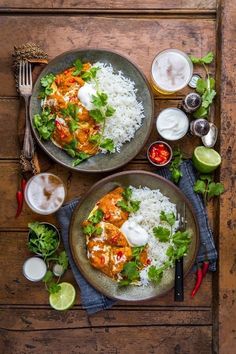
x=34 y=269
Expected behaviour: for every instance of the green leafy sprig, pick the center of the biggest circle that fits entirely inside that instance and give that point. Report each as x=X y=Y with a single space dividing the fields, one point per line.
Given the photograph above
x=174 y=168
x=207 y=187
x=205 y=87
x=130 y=272
x=179 y=247
x=127 y=204
x=45 y=123
x=46 y=83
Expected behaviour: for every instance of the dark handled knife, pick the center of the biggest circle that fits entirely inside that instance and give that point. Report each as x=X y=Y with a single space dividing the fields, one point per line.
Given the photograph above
x=179 y=271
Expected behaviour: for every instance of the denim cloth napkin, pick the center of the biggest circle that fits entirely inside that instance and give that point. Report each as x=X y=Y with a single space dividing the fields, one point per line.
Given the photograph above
x=92 y=300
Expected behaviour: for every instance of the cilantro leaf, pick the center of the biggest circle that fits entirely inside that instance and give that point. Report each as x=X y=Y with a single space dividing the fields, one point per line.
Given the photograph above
x=73 y=125
x=207 y=98
x=78 y=67
x=81 y=156
x=47 y=277
x=47 y=80
x=162 y=233
x=176 y=173
x=130 y=271
x=97 y=115
x=96 y=217
x=107 y=144
x=124 y=282
x=53 y=288
x=201 y=86
x=207 y=178
x=206 y=59
x=91 y=229
x=181 y=238
x=199 y=186
x=136 y=251
x=100 y=100
x=95 y=138
x=168 y=217
x=155 y=274
x=130 y=206
x=215 y=189
x=123 y=205
x=44 y=124
x=72 y=111
x=63 y=260
x=134 y=205
x=127 y=193
x=110 y=111
x=90 y=74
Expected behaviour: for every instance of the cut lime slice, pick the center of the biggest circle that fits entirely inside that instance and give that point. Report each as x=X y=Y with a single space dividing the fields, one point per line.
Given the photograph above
x=64 y=298
x=206 y=159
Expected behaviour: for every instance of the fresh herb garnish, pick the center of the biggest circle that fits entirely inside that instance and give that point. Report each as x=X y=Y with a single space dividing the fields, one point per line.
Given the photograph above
x=168 y=217
x=127 y=204
x=207 y=187
x=72 y=110
x=91 y=229
x=73 y=125
x=46 y=83
x=176 y=173
x=44 y=123
x=97 y=115
x=107 y=144
x=43 y=240
x=81 y=156
x=205 y=87
x=90 y=74
x=96 y=217
x=162 y=233
x=130 y=271
x=155 y=274
x=78 y=67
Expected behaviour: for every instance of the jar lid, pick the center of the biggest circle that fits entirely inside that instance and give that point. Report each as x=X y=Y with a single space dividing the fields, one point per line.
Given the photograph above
x=193 y=82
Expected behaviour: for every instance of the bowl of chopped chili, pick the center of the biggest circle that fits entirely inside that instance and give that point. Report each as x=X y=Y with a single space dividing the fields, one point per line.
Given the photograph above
x=159 y=153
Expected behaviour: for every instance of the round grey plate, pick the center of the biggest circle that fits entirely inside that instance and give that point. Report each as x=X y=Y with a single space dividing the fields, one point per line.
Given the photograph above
x=100 y=162
x=78 y=244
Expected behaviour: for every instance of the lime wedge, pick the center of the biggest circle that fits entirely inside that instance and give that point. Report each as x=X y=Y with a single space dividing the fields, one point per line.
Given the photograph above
x=206 y=159
x=64 y=298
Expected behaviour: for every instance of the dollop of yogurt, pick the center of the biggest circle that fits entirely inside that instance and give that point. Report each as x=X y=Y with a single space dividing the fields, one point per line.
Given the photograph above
x=85 y=94
x=136 y=235
x=172 y=124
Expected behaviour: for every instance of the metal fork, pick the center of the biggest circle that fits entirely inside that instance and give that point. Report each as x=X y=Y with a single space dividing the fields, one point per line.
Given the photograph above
x=25 y=88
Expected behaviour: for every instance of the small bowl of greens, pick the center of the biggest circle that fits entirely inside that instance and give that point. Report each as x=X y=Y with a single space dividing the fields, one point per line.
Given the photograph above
x=43 y=238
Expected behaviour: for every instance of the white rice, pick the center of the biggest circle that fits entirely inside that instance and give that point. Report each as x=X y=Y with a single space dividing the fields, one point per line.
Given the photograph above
x=121 y=92
x=148 y=216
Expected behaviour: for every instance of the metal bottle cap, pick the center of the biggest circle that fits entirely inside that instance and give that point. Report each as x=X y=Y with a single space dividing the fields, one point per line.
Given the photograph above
x=193 y=82
x=191 y=102
x=199 y=127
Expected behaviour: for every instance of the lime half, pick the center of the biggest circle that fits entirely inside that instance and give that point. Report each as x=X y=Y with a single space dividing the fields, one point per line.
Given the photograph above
x=64 y=298
x=206 y=159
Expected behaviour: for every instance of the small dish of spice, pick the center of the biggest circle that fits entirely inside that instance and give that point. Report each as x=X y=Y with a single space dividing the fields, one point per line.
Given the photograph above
x=159 y=153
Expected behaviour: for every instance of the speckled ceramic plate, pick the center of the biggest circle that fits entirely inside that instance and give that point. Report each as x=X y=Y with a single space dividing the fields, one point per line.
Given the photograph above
x=100 y=162
x=78 y=245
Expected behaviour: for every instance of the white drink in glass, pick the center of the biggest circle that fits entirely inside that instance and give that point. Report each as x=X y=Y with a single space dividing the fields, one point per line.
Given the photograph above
x=171 y=71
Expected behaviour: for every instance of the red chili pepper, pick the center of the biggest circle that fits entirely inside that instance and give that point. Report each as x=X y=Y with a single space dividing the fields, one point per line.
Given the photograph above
x=148 y=261
x=198 y=281
x=23 y=184
x=20 y=200
x=72 y=81
x=205 y=268
x=102 y=260
x=107 y=216
x=159 y=153
x=119 y=255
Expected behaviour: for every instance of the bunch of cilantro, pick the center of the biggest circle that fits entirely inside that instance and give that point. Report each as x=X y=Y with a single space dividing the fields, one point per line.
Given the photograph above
x=180 y=241
x=205 y=87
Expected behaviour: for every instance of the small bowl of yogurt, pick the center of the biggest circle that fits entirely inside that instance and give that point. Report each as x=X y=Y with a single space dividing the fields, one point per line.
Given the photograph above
x=172 y=124
x=45 y=193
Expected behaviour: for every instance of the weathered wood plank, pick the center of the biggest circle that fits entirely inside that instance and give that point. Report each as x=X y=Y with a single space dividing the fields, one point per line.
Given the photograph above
x=37 y=319
x=227 y=223
x=111 y=4
x=140 y=340
x=146 y=37
x=9 y=115
x=15 y=289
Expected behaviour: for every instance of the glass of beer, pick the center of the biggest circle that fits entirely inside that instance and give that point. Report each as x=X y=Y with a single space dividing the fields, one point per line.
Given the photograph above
x=171 y=71
x=45 y=193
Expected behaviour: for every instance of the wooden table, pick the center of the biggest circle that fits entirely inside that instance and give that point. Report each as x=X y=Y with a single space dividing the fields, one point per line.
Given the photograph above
x=139 y=29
